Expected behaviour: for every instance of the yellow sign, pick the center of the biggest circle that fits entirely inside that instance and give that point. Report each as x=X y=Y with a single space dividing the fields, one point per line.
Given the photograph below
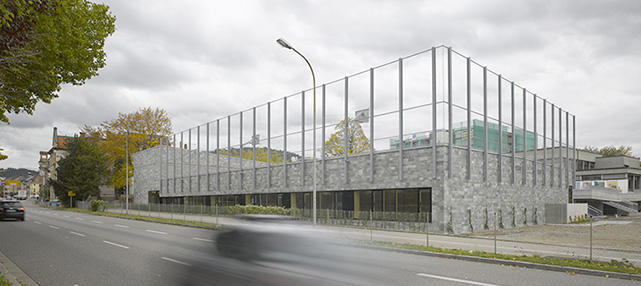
x=71 y=194
x=13 y=183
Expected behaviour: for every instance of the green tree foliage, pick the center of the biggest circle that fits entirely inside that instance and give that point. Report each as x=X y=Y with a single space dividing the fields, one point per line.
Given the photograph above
x=611 y=151
x=45 y=44
x=128 y=134
x=2 y=156
x=83 y=171
x=357 y=142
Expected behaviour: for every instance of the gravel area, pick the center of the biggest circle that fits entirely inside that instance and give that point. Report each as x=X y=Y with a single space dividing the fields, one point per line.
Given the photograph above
x=623 y=233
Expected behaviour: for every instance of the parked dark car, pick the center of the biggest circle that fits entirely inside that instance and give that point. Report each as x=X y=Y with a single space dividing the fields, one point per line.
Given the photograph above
x=11 y=209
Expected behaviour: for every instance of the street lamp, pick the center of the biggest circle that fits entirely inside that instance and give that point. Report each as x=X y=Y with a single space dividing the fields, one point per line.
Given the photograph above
x=286 y=45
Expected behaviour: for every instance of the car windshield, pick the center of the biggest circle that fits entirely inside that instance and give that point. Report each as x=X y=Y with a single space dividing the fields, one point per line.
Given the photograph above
x=11 y=204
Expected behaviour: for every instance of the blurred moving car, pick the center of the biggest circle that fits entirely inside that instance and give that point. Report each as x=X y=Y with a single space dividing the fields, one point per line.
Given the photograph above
x=11 y=209
x=267 y=251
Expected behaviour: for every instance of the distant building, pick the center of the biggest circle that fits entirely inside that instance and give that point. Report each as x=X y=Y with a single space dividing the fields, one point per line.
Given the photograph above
x=610 y=185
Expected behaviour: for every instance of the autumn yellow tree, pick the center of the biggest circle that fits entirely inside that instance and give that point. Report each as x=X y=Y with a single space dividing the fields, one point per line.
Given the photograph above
x=130 y=133
x=357 y=142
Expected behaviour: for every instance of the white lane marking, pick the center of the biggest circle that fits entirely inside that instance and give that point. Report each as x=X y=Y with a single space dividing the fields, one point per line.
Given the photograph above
x=95 y=221
x=56 y=214
x=79 y=218
x=78 y=234
x=175 y=261
x=155 y=231
x=202 y=239
x=455 y=280
x=37 y=222
x=123 y=226
x=65 y=216
x=115 y=244
x=54 y=227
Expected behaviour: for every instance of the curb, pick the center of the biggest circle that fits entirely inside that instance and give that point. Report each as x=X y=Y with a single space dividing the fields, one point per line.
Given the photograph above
x=572 y=270
x=14 y=273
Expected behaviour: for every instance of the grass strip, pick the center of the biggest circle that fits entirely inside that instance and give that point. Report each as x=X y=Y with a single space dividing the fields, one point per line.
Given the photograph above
x=623 y=266
x=4 y=281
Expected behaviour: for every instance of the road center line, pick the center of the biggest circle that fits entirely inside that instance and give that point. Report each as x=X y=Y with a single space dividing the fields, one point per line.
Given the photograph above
x=155 y=231
x=202 y=239
x=175 y=261
x=35 y=221
x=95 y=221
x=79 y=218
x=78 y=234
x=65 y=216
x=115 y=244
x=54 y=227
x=123 y=226
x=455 y=280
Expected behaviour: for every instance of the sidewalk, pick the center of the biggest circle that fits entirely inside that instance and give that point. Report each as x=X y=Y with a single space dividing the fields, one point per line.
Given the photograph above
x=13 y=273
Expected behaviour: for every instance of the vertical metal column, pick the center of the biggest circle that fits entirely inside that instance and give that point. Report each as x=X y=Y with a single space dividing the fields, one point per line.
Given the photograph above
x=160 y=160
x=240 y=153
x=345 y=147
x=254 y=145
x=485 y=141
x=524 y=138
x=567 y=148
x=323 y=140
x=536 y=142
x=552 y=132
x=545 y=143
x=269 y=144
x=229 y=152
x=302 y=163
x=175 y=164
x=513 y=136
x=400 y=119
x=182 y=175
x=469 y=119
x=560 y=148
x=189 y=158
x=218 y=154
x=208 y=161
x=449 y=112
x=285 y=142
x=371 y=125
x=574 y=149
x=434 y=125
x=198 y=157
x=500 y=175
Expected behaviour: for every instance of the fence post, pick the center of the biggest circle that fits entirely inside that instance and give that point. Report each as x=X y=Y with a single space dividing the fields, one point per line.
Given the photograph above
x=371 y=221
x=201 y=212
x=184 y=211
x=590 y=239
x=427 y=230
x=494 y=232
x=216 y=214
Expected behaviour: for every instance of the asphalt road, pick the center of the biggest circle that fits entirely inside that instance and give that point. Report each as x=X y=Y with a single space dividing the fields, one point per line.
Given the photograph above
x=55 y=247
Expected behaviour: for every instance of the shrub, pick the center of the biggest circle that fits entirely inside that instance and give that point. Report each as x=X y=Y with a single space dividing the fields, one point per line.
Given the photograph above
x=98 y=205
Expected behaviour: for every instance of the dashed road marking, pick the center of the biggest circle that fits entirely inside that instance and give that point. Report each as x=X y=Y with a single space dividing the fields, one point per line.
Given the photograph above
x=155 y=231
x=175 y=261
x=115 y=244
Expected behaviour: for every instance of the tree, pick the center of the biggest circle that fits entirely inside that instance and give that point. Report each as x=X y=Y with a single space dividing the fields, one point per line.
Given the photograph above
x=357 y=142
x=2 y=156
x=611 y=151
x=48 y=43
x=82 y=171
x=129 y=133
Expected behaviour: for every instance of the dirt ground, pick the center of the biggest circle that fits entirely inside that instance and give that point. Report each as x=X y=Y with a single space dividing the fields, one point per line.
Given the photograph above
x=622 y=233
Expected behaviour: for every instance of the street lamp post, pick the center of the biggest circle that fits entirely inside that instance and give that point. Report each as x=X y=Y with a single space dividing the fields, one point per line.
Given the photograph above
x=286 y=45
x=127 y=172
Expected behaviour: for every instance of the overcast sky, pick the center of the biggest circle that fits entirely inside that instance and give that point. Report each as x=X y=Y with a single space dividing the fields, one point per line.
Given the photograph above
x=196 y=59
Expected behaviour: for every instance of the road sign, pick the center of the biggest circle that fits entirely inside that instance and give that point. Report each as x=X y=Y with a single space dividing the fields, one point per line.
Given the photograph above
x=13 y=183
x=71 y=194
